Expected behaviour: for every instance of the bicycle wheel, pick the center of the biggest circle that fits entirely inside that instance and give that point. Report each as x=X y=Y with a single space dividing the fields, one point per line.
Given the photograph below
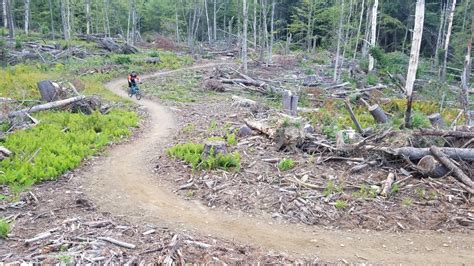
x=130 y=92
x=139 y=95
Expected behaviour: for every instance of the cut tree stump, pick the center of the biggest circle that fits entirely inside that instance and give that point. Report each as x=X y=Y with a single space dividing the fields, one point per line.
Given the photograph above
x=429 y=166
x=48 y=91
x=437 y=121
x=290 y=103
x=379 y=115
x=244 y=131
x=212 y=148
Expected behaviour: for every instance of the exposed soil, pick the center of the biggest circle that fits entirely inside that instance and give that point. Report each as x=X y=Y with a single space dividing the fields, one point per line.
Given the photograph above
x=123 y=188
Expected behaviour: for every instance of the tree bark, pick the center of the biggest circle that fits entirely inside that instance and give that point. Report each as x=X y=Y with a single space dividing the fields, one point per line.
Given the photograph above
x=339 y=37
x=27 y=16
x=440 y=34
x=255 y=3
x=65 y=19
x=88 y=17
x=106 y=12
x=418 y=153
x=465 y=78
x=414 y=55
x=244 y=36
x=5 y=17
x=265 y=26
x=373 y=36
x=214 y=17
x=448 y=36
x=46 y=106
x=209 y=30
x=309 y=27
x=11 y=25
x=359 y=28
x=270 y=47
x=52 y=18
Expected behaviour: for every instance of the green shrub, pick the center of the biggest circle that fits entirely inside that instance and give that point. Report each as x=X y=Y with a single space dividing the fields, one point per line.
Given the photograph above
x=231 y=139
x=407 y=202
x=4 y=228
x=395 y=188
x=340 y=204
x=286 y=164
x=59 y=143
x=193 y=154
x=154 y=54
x=420 y=120
x=18 y=44
x=123 y=60
x=372 y=78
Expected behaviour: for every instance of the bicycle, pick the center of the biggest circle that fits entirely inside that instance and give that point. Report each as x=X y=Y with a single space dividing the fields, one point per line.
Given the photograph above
x=135 y=90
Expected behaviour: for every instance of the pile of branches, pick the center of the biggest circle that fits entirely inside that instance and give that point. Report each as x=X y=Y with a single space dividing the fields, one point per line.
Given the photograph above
x=455 y=158
x=45 y=53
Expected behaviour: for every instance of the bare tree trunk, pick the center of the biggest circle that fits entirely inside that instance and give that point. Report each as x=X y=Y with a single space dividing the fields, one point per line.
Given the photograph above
x=466 y=9
x=339 y=37
x=309 y=29
x=134 y=22
x=88 y=17
x=11 y=25
x=65 y=19
x=176 y=22
x=465 y=78
x=414 y=55
x=270 y=46
x=440 y=34
x=5 y=18
x=448 y=36
x=359 y=28
x=346 y=37
x=107 y=21
x=244 y=36
x=365 y=44
x=52 y=18
x=209 y=30
x=265 y=26
x=215 y=20
x=27 y=16
x=373 y=36
x=128 y=24
x=255 y=3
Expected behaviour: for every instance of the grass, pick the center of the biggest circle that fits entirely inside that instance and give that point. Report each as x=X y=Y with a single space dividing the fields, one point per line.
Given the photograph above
x=192 y=154
x=407 y=202
x=286 y=164
x=365 y=192
x=331 y=188
x=4 y=228
x=59 y=143
x=340 y=204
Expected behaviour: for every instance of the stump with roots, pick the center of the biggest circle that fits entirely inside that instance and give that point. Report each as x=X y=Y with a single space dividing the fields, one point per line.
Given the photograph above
x=437 y=120
x=213 y=148
x=377 y=112
x=431 y=167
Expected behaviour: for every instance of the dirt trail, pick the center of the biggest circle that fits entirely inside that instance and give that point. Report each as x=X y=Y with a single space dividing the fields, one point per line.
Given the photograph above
x=122 y=183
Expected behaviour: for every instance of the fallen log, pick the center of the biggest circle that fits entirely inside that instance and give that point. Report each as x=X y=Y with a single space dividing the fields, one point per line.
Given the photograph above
x=254 y=83
x=418 y=153
x=261 y=127
x=243 y=102
x=46 y=106
x=458 y=173
x=117 y=242
x=429 y=166
x=444 y=133
x=353 y=117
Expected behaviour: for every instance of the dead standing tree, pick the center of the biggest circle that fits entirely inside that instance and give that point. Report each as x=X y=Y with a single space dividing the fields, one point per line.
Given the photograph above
x=465 y=78
x=446 y=43
x=414 y=55
x=373 y=34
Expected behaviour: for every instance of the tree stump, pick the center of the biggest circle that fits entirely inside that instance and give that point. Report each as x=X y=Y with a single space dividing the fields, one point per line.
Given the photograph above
x=48 y=91
x=213 y=148
x=244 y=132
x=431 y=167
x=290 y=103
x=377 y=112
x=437 y=120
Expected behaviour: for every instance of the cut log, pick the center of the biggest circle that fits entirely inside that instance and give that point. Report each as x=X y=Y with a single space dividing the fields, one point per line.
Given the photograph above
x=152 y=60
x=458 y=173
x=387 y=186
x=244 y=131
x=379 y=115
x=242 y=102
x=254 y=83
x=129 y=49
x=261 y=127
x=213 y=85
x=117 y=242
x=430 y=167
x=444 y=133
x=212 y=148
x=437 y=120
x=418 y=153
x=46 y=106
x=6 y=152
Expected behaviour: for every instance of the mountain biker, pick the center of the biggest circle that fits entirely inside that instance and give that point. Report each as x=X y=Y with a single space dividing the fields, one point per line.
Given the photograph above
x=133 y=79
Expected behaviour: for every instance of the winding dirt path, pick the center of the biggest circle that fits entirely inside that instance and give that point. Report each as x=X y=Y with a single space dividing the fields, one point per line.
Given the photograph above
x=122 y=183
